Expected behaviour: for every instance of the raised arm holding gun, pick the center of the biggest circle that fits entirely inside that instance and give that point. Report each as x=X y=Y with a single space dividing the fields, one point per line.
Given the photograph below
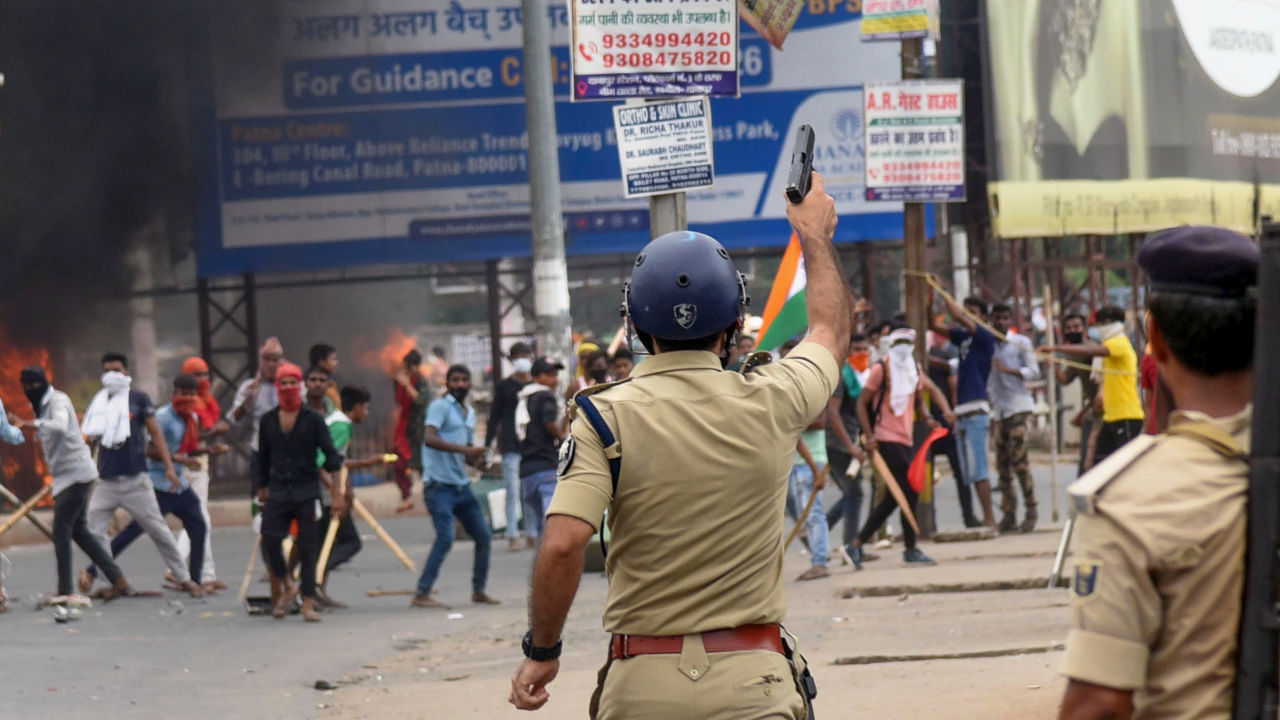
x=684 y=417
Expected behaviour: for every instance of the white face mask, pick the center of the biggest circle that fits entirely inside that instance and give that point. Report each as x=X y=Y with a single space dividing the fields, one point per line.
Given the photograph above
x=900 y=353
x=522 y=365
x=115 y=382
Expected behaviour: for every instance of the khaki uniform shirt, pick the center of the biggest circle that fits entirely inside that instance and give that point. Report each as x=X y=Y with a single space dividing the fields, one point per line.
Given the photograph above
x=1160 y=570
x=697 y=522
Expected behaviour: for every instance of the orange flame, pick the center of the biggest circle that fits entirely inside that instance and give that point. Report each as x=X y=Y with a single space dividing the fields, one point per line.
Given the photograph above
x=23 y=465
x=389 y=357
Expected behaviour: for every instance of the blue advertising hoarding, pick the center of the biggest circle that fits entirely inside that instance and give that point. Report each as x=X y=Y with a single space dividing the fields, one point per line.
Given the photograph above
x=393 y=131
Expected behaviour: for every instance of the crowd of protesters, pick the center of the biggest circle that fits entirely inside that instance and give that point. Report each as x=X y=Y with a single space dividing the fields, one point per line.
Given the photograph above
x=979 y=381
x=154 y=461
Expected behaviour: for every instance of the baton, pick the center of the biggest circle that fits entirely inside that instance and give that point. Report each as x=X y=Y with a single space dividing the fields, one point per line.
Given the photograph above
x=892 y=486
x=16 y=501
x=808 y=507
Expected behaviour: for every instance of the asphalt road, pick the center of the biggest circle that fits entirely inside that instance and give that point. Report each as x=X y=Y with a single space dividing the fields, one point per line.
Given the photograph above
x=180 y=657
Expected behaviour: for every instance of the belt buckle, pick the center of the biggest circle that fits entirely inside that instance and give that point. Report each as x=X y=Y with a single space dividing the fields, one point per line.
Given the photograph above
x=626 y=646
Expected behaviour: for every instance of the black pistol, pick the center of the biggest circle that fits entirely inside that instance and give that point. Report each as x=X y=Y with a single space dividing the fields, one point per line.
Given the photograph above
x=801 y=165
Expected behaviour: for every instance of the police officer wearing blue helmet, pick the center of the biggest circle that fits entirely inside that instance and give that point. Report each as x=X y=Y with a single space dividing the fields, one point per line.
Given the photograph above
x=691 y=463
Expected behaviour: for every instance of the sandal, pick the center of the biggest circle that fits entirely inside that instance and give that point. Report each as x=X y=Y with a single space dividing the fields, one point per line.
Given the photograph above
x=282 y=608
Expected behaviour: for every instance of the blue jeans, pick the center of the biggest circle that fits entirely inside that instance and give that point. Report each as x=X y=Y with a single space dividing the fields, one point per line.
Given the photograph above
x=186 y=507
x=972 y=433
x=815 y=526
x=511 y=477
x=444 y=502
x=850 y=505
x=538 y=489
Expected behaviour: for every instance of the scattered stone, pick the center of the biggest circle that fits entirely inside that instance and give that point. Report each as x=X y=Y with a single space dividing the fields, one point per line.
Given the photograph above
x=325 y=685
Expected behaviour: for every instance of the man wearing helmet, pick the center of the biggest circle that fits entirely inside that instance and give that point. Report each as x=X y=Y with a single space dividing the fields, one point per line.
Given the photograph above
x=696 y=634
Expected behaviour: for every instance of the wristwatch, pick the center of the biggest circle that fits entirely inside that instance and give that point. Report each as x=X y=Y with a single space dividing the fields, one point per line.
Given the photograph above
x=539 y=654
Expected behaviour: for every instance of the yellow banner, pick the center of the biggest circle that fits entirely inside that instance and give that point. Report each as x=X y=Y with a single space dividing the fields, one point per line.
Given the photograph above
x=1054 y=208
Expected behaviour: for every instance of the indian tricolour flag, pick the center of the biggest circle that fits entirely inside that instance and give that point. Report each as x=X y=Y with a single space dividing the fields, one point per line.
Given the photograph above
x=785 y=314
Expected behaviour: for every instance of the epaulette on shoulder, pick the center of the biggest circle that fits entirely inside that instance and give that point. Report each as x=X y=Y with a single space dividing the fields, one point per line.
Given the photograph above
x=1085 y=491
x=588 y=392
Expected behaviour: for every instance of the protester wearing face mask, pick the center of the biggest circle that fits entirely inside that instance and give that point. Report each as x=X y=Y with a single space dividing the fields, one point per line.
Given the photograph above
x=291 y=439
x=1116 y=363
x=68 y=459
x=1073 y=333
x=120 y=419
x=595 y=370
x=884 y=412
x=209 y=414
x=181 y=431
x=450 y=437
x=501 y=428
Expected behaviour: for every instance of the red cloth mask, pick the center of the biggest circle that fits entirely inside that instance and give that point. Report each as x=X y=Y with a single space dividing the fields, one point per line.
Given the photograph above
x=185 y=406
x=291 y=397
x=207 y=409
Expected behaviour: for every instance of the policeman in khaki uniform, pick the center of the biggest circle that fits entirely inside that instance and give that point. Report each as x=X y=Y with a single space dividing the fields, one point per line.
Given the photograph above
x=1161 y=523
x=696 y=508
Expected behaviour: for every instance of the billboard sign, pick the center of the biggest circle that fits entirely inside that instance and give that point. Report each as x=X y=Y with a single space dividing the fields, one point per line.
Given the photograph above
x=347 y=132
x=1131 y=116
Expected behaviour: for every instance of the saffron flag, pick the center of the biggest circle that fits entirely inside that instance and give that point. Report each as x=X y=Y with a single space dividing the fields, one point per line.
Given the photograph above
x=915 y=472
x=785 y=314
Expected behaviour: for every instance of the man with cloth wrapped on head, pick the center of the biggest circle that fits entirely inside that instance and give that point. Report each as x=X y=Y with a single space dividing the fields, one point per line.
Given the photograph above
x=694 y=634
x=1160 y=524
x=289 y=438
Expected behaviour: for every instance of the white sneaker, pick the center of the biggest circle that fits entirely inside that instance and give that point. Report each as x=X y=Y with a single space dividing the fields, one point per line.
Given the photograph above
x=885 y=543
x=843 y=555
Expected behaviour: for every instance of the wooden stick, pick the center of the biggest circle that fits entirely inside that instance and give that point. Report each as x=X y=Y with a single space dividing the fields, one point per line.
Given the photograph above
x=9 y=497
x=808 y=508
x=24 y=509
x=386 y=593
x=1052 y=395
x=933 y=283
x=248 y=572
x=326 y=548
x=383 y=535
x=892 y=486
x=339 y=487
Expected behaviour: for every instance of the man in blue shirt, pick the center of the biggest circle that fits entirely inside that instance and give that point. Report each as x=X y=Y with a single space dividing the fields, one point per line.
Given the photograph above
x=177 y=424
x=450 y=446
x=973 y=412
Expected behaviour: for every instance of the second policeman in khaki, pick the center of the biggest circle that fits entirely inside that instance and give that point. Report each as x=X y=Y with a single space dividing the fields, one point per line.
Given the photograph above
x=1161 y=523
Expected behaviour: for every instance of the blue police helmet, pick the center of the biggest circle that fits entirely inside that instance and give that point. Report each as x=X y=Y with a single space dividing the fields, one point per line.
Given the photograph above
x=684 y=286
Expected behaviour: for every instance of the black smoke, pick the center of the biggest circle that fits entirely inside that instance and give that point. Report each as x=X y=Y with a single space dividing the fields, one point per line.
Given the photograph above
x=94 y=146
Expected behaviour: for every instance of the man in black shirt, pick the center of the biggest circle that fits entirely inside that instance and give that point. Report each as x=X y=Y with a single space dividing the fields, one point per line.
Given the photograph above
x=540 y=432
x=502 y=426
x=288 y=440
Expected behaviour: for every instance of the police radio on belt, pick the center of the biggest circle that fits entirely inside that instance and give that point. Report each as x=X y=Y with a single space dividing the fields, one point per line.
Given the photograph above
x=801 y=165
